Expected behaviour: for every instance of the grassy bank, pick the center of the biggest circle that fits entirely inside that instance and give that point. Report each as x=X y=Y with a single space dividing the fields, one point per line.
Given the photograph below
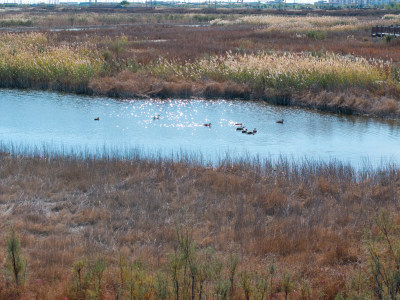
x=327 y=81
x=138 y=224
x=33 y=60
x=38 y=60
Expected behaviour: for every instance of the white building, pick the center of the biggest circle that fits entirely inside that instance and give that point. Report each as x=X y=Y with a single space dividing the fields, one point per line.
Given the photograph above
x=361 y=2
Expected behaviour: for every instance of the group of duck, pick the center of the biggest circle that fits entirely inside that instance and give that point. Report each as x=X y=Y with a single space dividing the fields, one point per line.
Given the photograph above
x=240 y=127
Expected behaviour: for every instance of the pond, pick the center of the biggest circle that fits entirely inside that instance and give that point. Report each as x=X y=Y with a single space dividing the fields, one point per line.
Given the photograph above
x=65 y=124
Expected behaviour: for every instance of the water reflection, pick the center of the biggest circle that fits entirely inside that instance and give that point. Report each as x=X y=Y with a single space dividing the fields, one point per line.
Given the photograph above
x=66 y=121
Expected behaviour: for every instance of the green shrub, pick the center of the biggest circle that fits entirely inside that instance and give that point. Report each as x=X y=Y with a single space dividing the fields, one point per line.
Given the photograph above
x=389 y=38
x=245 y=281
x=161 y=288
x=15 y=22
x=382 y=278
x=87 y=280
x=287 y=284
x=15 y=264
x=316 y=35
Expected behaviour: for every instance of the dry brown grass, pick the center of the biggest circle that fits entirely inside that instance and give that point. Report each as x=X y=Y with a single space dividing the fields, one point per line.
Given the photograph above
x=141 y=85
x=350 y=102
x=308 y=217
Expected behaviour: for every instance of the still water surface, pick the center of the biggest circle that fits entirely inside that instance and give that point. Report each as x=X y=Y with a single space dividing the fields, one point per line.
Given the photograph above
x=63 y=122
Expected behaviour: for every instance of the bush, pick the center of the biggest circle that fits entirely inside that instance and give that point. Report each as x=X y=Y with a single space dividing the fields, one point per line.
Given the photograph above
x=389 y=38
x=15 y=264
x=15 y=22
x=316 y=35
x=87 y=279
x=381 y=280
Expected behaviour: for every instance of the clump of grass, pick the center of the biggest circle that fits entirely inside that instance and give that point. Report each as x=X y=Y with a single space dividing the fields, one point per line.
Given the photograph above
x=389 y=38
x=391 y=17
x=31 y=60
x=87 y=278
x=316 y=35
x=379 y=277
x=15 y=22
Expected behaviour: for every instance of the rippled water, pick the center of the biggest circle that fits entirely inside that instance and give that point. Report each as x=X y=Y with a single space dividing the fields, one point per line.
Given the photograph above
x=57 y=121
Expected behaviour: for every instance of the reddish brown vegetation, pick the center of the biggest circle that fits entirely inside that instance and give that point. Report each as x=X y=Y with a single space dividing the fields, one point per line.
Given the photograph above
x=310 y=218
x=127 y=84
x=349 y=102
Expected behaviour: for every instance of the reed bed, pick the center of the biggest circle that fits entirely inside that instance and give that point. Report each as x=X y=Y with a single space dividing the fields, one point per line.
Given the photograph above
x=306 y=219
x=391 y=17
x=39 y=60
x=33 y=60
x=305 y=23
x=280 y=70
x=15 y=22
x=117 y=18
x=91 y=18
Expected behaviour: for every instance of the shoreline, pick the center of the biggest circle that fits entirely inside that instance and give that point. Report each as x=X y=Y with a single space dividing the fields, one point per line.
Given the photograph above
x=350 y=102
x=128 y=85
x=353 y=101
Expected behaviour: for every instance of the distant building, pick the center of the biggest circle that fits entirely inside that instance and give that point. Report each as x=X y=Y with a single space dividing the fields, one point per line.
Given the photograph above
x=361 y=2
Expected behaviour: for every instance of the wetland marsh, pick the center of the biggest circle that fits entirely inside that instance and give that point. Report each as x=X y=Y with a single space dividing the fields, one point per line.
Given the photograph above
x=115 y=189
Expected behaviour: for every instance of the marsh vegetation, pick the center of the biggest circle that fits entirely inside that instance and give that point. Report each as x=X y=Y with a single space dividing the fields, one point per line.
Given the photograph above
x=161 y=227
x=323 y=62
x=156 y=228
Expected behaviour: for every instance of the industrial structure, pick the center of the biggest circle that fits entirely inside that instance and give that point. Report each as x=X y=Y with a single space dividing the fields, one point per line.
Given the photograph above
x=361 y=3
